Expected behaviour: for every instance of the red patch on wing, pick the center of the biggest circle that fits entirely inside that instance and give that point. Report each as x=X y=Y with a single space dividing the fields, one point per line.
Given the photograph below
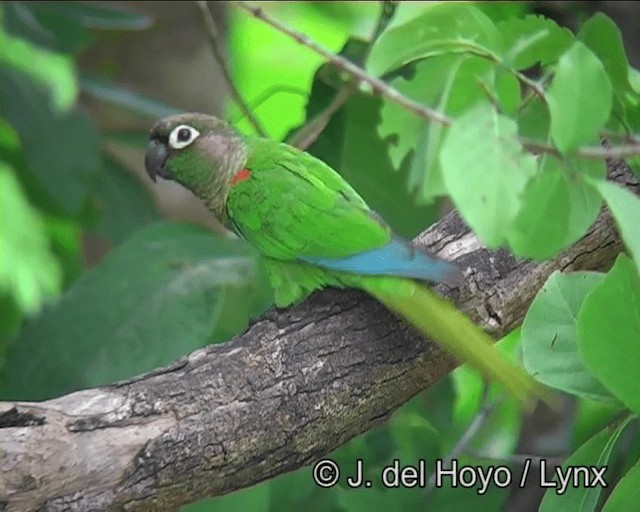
x=242 y=175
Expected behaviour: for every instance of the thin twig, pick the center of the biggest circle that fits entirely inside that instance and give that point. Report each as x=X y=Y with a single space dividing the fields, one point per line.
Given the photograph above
x=381 y=88
x=387 y=10
x=309 y=133
x=214 y=42
x=377 y=85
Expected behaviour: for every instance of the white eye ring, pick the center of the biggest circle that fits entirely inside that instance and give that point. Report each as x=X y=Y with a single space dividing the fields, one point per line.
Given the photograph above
x=182 y=135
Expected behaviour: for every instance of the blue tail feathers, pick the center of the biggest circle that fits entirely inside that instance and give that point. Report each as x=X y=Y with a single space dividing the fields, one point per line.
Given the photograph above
x=397 y=258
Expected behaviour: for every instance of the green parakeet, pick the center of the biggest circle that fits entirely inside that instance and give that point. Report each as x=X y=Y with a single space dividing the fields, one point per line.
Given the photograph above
x=314 y=230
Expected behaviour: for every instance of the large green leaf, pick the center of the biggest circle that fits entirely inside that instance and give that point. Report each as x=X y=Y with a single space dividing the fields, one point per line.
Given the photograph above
x=626 y=495
x=443 y=27
x=579 y=98
x=550 y=339
x=596 y=452
x=602 y=36
x=28 y=270
x=65 y=26
x=163 y=293
x=609 y=332
x=555 y=192
x=46 y=27
x=625 y=207
x=451 y=84
x=485 y=169
x=122 y=202
x=532 y=39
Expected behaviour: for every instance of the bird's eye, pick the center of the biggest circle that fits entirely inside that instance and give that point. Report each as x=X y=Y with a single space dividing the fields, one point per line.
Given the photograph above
x=181 y=136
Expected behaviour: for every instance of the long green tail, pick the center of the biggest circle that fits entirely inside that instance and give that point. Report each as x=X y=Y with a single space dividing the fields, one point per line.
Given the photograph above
x=442 y=322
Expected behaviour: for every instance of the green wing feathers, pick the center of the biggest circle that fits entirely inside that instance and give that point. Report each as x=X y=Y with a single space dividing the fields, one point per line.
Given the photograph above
x=295 y=206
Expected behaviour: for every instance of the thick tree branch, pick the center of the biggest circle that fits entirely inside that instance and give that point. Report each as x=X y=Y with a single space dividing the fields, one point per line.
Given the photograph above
x=296 y=385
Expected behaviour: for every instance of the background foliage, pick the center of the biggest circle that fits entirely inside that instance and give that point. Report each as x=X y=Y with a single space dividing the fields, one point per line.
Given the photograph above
x=504 y=76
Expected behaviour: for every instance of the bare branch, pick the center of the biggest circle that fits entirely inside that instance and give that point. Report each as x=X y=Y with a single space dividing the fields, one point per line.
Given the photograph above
x=296 y=385
x=216 y=48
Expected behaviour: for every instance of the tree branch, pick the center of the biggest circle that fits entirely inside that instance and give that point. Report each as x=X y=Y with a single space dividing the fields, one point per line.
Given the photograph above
x=296 y=385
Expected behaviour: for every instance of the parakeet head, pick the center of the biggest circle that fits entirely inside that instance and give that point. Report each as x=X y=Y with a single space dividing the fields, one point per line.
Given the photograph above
x=199 y=151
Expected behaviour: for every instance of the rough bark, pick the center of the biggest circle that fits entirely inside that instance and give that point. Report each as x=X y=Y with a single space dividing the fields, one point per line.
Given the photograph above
x=296 y=385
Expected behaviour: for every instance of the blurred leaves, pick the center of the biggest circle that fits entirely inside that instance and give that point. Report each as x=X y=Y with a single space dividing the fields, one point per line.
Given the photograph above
x=53 y=70
x=126 y=99
x=595 y=453
x=166 y=291
x=122 y=203
x=62 y=149
x=28 y=271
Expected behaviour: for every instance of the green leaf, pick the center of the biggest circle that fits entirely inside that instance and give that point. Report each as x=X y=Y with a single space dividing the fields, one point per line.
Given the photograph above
x=595 y=452
x=164 y=292
x=123 y=203
x=451 y=84
x=533 y=119
x=602 y=36
x=579 y=98
x=93 y=15
x=54 y=70
x=558 y=193
x=625 y=208
x=62 y=150
x=609 y=332
x=64 y=26
x=443 y=27
x=124 y=98
x=625 y=495
x=28 y=270
x=550 y=340
x=591 y=416
x=43 y=25
x=533 y=39
x=256 y=50
x=485 y=170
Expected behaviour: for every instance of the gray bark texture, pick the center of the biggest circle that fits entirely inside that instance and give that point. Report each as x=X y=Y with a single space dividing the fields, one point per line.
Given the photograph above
x=296 y=385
